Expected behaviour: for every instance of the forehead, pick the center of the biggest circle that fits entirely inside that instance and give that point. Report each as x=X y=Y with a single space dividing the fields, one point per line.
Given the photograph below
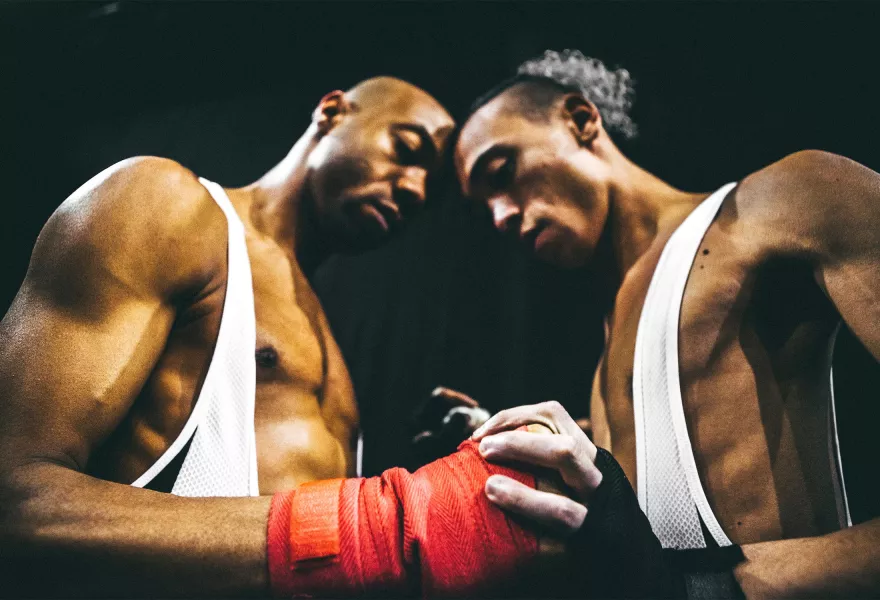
x=411 y=105
x=498 y=122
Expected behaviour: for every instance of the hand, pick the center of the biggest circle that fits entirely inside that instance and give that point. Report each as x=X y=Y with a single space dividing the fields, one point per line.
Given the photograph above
x=614 y=549
x=447 y=419
x=570 y=453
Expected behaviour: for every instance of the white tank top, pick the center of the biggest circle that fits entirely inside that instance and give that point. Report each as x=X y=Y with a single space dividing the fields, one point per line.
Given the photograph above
x=669 y=488
x=222 y=458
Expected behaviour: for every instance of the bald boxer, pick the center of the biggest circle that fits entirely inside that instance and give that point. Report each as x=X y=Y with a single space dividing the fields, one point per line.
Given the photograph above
x=166 y=339
x=714 y=392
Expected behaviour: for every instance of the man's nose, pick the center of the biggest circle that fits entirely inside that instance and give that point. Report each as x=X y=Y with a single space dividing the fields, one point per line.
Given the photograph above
x=506 y=215
x=409 y=190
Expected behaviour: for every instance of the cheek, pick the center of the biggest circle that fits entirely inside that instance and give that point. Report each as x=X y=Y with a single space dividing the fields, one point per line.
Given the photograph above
x=562 y=189
x=336 y=168
x=584 y=194
x=579 y=213
x=578 y=228
x=577 y=239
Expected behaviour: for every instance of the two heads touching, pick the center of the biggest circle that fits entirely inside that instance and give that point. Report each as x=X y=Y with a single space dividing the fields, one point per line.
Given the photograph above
x=535 y=151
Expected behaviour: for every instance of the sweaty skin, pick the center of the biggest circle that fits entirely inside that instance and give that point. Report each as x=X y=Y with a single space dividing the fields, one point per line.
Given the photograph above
x=755 y=339
x=305 y=415
x=106 y=345
x=792 y=253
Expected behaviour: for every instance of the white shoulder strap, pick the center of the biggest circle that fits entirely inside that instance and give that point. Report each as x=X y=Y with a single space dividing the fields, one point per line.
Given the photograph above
x=222 y=459
x=669 y=487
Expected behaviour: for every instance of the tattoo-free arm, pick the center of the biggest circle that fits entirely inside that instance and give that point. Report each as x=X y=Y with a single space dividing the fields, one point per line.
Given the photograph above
x=832 y=207
x=107 y=277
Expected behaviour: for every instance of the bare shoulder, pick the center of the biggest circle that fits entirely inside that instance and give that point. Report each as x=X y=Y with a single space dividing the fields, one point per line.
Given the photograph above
x=147 y=221
x=814 y=199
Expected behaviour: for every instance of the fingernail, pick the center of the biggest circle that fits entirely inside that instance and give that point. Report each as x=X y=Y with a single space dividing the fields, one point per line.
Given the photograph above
x=477 y=433
x=486 y=446
x=438 y=390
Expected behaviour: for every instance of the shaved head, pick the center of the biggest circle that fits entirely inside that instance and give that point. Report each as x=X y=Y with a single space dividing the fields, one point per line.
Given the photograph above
x=390 y=95
x=380 y=143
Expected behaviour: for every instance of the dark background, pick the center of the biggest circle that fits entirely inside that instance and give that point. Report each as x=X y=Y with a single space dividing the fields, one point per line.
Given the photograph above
x=226 y=88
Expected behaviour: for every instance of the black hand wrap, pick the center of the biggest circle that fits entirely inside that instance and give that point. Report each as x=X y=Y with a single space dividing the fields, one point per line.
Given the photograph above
x=626 y=560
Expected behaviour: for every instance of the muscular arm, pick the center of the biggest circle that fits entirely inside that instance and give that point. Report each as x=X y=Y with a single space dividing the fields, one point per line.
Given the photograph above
x=108 y=274
x=832 y=206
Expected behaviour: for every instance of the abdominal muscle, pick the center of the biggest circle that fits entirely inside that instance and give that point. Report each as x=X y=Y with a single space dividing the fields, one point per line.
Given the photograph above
x=294 y=442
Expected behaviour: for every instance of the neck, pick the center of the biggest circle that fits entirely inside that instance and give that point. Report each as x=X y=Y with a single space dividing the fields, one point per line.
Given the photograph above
x=281 y=207
x=641 y=205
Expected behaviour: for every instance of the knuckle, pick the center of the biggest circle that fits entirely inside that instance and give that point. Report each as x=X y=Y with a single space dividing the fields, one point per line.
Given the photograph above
x=550 y=409
x=566 y=451
x=491 y=423
x=571 y=515
x=576 y=516
x=495 y=418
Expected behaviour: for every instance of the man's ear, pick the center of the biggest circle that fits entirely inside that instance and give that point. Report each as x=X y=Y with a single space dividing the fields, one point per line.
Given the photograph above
x=582 y=117
x=330 y=111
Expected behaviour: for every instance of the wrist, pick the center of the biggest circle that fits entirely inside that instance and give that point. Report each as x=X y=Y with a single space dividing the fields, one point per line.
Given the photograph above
x=321 y=544
x=705 y=573
x=278 y=545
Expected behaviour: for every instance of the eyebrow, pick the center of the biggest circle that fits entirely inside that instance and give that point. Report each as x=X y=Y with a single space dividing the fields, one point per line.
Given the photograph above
x=422 y=132
x=479 y=166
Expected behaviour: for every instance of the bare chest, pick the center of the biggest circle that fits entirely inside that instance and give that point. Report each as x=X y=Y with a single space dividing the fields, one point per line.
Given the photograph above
x=753 y=363
x=306 y=416
x=304 y=419
x=290 y=348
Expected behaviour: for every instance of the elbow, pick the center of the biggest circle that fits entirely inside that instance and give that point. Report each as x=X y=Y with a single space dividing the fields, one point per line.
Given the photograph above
x=19 y=500
x=22 y=552
x=29 y=498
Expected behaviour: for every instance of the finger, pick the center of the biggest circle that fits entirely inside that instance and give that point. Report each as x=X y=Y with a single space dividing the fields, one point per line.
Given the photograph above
x=512 y=418
x=454 y=397
x=558 y=513
x=562 y=453
x=551 y=414
x=536 y=428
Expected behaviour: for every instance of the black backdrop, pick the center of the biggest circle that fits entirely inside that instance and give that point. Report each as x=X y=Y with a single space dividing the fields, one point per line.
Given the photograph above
x=225 y=88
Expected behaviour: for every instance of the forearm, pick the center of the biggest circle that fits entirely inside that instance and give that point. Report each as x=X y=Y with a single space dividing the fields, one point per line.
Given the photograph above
x=433 y=531
x=841 y=564
x=65 y=533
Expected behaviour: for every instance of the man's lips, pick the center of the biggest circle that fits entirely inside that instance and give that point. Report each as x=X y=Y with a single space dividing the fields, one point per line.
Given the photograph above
x=543 y=239
x=537 y=237
x=383 y=214
x=389 y=211
x=371 y=212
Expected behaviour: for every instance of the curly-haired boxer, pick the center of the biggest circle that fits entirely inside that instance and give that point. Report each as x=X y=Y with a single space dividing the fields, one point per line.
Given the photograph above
x=714 y=390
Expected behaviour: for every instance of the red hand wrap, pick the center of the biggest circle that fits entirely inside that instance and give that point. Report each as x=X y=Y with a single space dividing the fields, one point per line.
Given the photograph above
x=432 y=531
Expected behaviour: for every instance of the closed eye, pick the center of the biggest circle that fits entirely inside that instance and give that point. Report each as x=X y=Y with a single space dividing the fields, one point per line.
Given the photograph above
x=493 y=171
x=406 y=147
x=500 y=172
x=413 y=145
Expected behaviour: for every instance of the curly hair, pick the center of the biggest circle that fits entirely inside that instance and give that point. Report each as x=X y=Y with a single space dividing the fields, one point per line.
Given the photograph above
x=570 y=71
